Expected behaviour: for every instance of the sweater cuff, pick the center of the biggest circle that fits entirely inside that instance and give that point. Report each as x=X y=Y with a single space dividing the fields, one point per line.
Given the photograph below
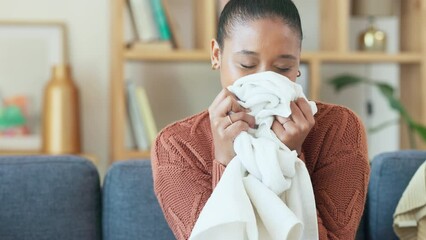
x=217 y=172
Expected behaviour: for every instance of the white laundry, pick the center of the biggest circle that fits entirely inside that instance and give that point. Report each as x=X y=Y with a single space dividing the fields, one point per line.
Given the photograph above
x=266 y=191
x=409 y=219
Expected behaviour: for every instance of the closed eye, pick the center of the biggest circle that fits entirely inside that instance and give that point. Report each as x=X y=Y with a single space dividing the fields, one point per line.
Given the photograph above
x=283 y=69
x=247 y=66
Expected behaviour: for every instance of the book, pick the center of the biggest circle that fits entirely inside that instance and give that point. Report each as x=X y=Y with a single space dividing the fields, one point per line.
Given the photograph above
x=176 y=38
x=143 y=18
x=135 y=117
x=161 y=20
x=147 y=116
x=130 y=138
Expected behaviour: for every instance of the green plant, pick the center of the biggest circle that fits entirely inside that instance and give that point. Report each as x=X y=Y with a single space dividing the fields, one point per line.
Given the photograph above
x=343 y=81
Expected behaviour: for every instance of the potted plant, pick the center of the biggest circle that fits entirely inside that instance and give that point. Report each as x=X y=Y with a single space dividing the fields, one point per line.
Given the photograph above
x=346 y=80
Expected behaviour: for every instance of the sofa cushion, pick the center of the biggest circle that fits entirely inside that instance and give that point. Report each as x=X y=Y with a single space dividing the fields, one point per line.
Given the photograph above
x=130 y=208
x=49 y=197
x=390 y=174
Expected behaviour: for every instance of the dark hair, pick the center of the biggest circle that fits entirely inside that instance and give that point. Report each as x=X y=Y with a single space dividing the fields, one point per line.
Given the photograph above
x=242 y=11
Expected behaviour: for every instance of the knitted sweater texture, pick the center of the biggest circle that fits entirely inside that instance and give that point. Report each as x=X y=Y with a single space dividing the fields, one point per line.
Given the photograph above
x=335 y=153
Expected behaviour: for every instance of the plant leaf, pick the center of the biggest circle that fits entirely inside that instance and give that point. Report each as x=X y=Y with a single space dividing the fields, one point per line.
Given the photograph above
x=421 y=130
x=383 y=125
x=385 y=88
x=342 y=81
x=394 y=103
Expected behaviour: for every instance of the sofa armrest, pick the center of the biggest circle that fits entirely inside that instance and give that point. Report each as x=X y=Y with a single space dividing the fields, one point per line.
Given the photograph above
x=130 y=207
x=390 y=174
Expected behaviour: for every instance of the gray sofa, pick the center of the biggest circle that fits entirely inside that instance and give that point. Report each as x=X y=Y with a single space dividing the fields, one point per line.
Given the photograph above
x=390 y=174
x=60 y=197
x=49 y=198
x=130 y=208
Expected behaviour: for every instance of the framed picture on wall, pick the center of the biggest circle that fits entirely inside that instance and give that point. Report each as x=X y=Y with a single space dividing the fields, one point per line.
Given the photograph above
x=28 y=50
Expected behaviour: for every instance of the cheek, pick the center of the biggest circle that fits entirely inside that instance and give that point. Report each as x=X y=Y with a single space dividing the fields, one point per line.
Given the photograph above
x=293 y=76
x=229 y=73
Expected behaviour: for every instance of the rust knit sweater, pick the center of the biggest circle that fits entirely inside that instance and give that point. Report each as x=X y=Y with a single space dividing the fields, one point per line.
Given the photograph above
x=335 y=154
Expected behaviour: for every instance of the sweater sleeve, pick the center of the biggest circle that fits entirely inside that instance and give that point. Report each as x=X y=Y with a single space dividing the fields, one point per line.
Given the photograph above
x=181 y=183
x=217 y=172
x=340 y=179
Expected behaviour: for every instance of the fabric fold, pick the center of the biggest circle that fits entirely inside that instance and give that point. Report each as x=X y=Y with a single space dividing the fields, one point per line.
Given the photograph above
x=265 y=192
x=410 y=213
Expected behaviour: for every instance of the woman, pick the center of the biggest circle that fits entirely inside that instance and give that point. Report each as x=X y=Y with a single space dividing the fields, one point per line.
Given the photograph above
x=190 y=156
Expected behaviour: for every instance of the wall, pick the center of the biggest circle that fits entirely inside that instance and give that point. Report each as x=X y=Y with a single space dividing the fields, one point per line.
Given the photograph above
x=88 y=24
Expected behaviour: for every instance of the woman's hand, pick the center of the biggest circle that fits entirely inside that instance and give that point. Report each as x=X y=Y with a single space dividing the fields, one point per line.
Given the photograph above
x=227 y=119
x=293 y=130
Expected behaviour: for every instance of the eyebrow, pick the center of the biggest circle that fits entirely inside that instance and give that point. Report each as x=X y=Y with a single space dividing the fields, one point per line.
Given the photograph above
x=285 y=56
x=288 y=56
x=247 y=52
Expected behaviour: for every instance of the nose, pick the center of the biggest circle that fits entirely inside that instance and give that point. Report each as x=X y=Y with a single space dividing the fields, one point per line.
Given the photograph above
x=265 y=68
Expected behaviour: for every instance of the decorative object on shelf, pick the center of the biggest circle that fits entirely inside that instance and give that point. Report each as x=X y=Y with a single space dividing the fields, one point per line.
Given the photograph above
x=61 y=127
x=345 y=80
x=61 y=118
x=38 y=45
x=373 y=39
x=13 y=116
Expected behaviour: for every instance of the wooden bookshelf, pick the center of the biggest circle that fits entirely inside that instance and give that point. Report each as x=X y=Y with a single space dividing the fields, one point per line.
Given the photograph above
x=205 y=29
x=334 y=48
x=177 y=55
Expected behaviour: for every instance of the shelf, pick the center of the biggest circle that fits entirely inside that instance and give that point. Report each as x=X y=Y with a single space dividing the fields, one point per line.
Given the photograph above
x=325 y=57
x=135 y=154
x=20 y=152
x=334 y=16
x=178 y=55
x=359 y=57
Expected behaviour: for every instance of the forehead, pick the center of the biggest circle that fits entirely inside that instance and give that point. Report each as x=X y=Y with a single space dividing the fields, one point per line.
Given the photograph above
x=258 y=34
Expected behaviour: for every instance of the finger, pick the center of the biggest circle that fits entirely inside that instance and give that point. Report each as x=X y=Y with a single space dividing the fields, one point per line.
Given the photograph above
x=233 y=130
x=229 y=104
x=237 y=107
x=219 y=98
x=290 y=128
x=223 y=94
x=296 y=114
x=241 y=116
x=279 y=131
x=306 y=110
x=299 y=123
x=283 y=120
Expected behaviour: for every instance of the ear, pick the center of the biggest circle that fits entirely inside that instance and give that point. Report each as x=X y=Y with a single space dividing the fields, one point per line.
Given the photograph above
x=215 y=54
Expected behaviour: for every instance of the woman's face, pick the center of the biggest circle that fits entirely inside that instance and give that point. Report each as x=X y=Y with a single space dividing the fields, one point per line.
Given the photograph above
x=258 y=46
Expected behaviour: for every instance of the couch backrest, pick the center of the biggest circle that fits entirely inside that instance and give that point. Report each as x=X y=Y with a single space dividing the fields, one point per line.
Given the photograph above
x=130 y=208
x=390 y=174
x=46 y=197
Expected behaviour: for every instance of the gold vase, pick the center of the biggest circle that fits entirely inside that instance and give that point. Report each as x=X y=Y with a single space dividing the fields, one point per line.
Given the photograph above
x=61 y=121
x=372 y=39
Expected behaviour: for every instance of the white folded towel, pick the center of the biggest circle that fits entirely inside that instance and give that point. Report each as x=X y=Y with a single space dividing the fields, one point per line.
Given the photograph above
x=265 y=191
x=409 y=219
